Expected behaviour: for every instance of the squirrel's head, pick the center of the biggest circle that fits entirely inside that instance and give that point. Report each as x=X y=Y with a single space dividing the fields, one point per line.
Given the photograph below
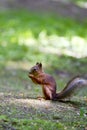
x=35 y=70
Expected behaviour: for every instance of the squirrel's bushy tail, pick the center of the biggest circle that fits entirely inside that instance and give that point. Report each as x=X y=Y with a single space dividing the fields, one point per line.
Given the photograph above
x=72 y=86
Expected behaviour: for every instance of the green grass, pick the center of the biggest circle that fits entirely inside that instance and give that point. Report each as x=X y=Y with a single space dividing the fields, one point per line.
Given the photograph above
x=29 y=124
x=25 y=35
x=34 y=37
x=80 y=2
x=61 y=45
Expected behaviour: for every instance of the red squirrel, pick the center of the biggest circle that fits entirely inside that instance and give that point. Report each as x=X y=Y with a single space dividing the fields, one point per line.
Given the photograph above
x=48 y=83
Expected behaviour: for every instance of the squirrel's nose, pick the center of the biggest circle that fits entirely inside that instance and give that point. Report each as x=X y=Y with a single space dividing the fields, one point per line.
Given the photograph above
x=30 y=71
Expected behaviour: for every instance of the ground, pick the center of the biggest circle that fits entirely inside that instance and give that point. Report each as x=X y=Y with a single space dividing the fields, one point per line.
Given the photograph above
x=19 y=107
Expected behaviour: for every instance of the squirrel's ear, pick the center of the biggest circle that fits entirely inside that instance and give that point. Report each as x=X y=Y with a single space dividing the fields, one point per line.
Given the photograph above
x=40 y=65
x=37 y=63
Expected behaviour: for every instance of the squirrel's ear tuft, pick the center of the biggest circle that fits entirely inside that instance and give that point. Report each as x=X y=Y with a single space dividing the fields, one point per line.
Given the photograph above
x=37 y=63
x=40 y=64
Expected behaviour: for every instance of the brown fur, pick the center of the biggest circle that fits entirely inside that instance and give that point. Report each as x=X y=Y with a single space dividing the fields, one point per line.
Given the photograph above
x=48 y=83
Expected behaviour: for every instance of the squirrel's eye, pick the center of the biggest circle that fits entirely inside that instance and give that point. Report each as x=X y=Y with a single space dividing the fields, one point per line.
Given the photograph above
x=34 y=69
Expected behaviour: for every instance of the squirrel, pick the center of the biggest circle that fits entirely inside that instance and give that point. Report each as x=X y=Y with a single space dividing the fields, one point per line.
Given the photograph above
x=48 y=83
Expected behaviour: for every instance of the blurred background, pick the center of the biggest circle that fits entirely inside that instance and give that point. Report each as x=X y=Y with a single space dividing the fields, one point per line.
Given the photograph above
x=53 y=32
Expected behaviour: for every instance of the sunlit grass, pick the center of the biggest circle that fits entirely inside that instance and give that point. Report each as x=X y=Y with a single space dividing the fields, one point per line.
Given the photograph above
x=20 y=30
x=33 y=37
x=81 y=3
x=60 y=44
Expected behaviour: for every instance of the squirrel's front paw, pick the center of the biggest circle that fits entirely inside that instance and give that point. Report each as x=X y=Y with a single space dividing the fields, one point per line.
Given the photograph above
x=30 y=75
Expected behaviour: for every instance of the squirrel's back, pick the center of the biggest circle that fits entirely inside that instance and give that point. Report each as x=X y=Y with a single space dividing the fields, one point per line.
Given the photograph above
x=49 y=84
